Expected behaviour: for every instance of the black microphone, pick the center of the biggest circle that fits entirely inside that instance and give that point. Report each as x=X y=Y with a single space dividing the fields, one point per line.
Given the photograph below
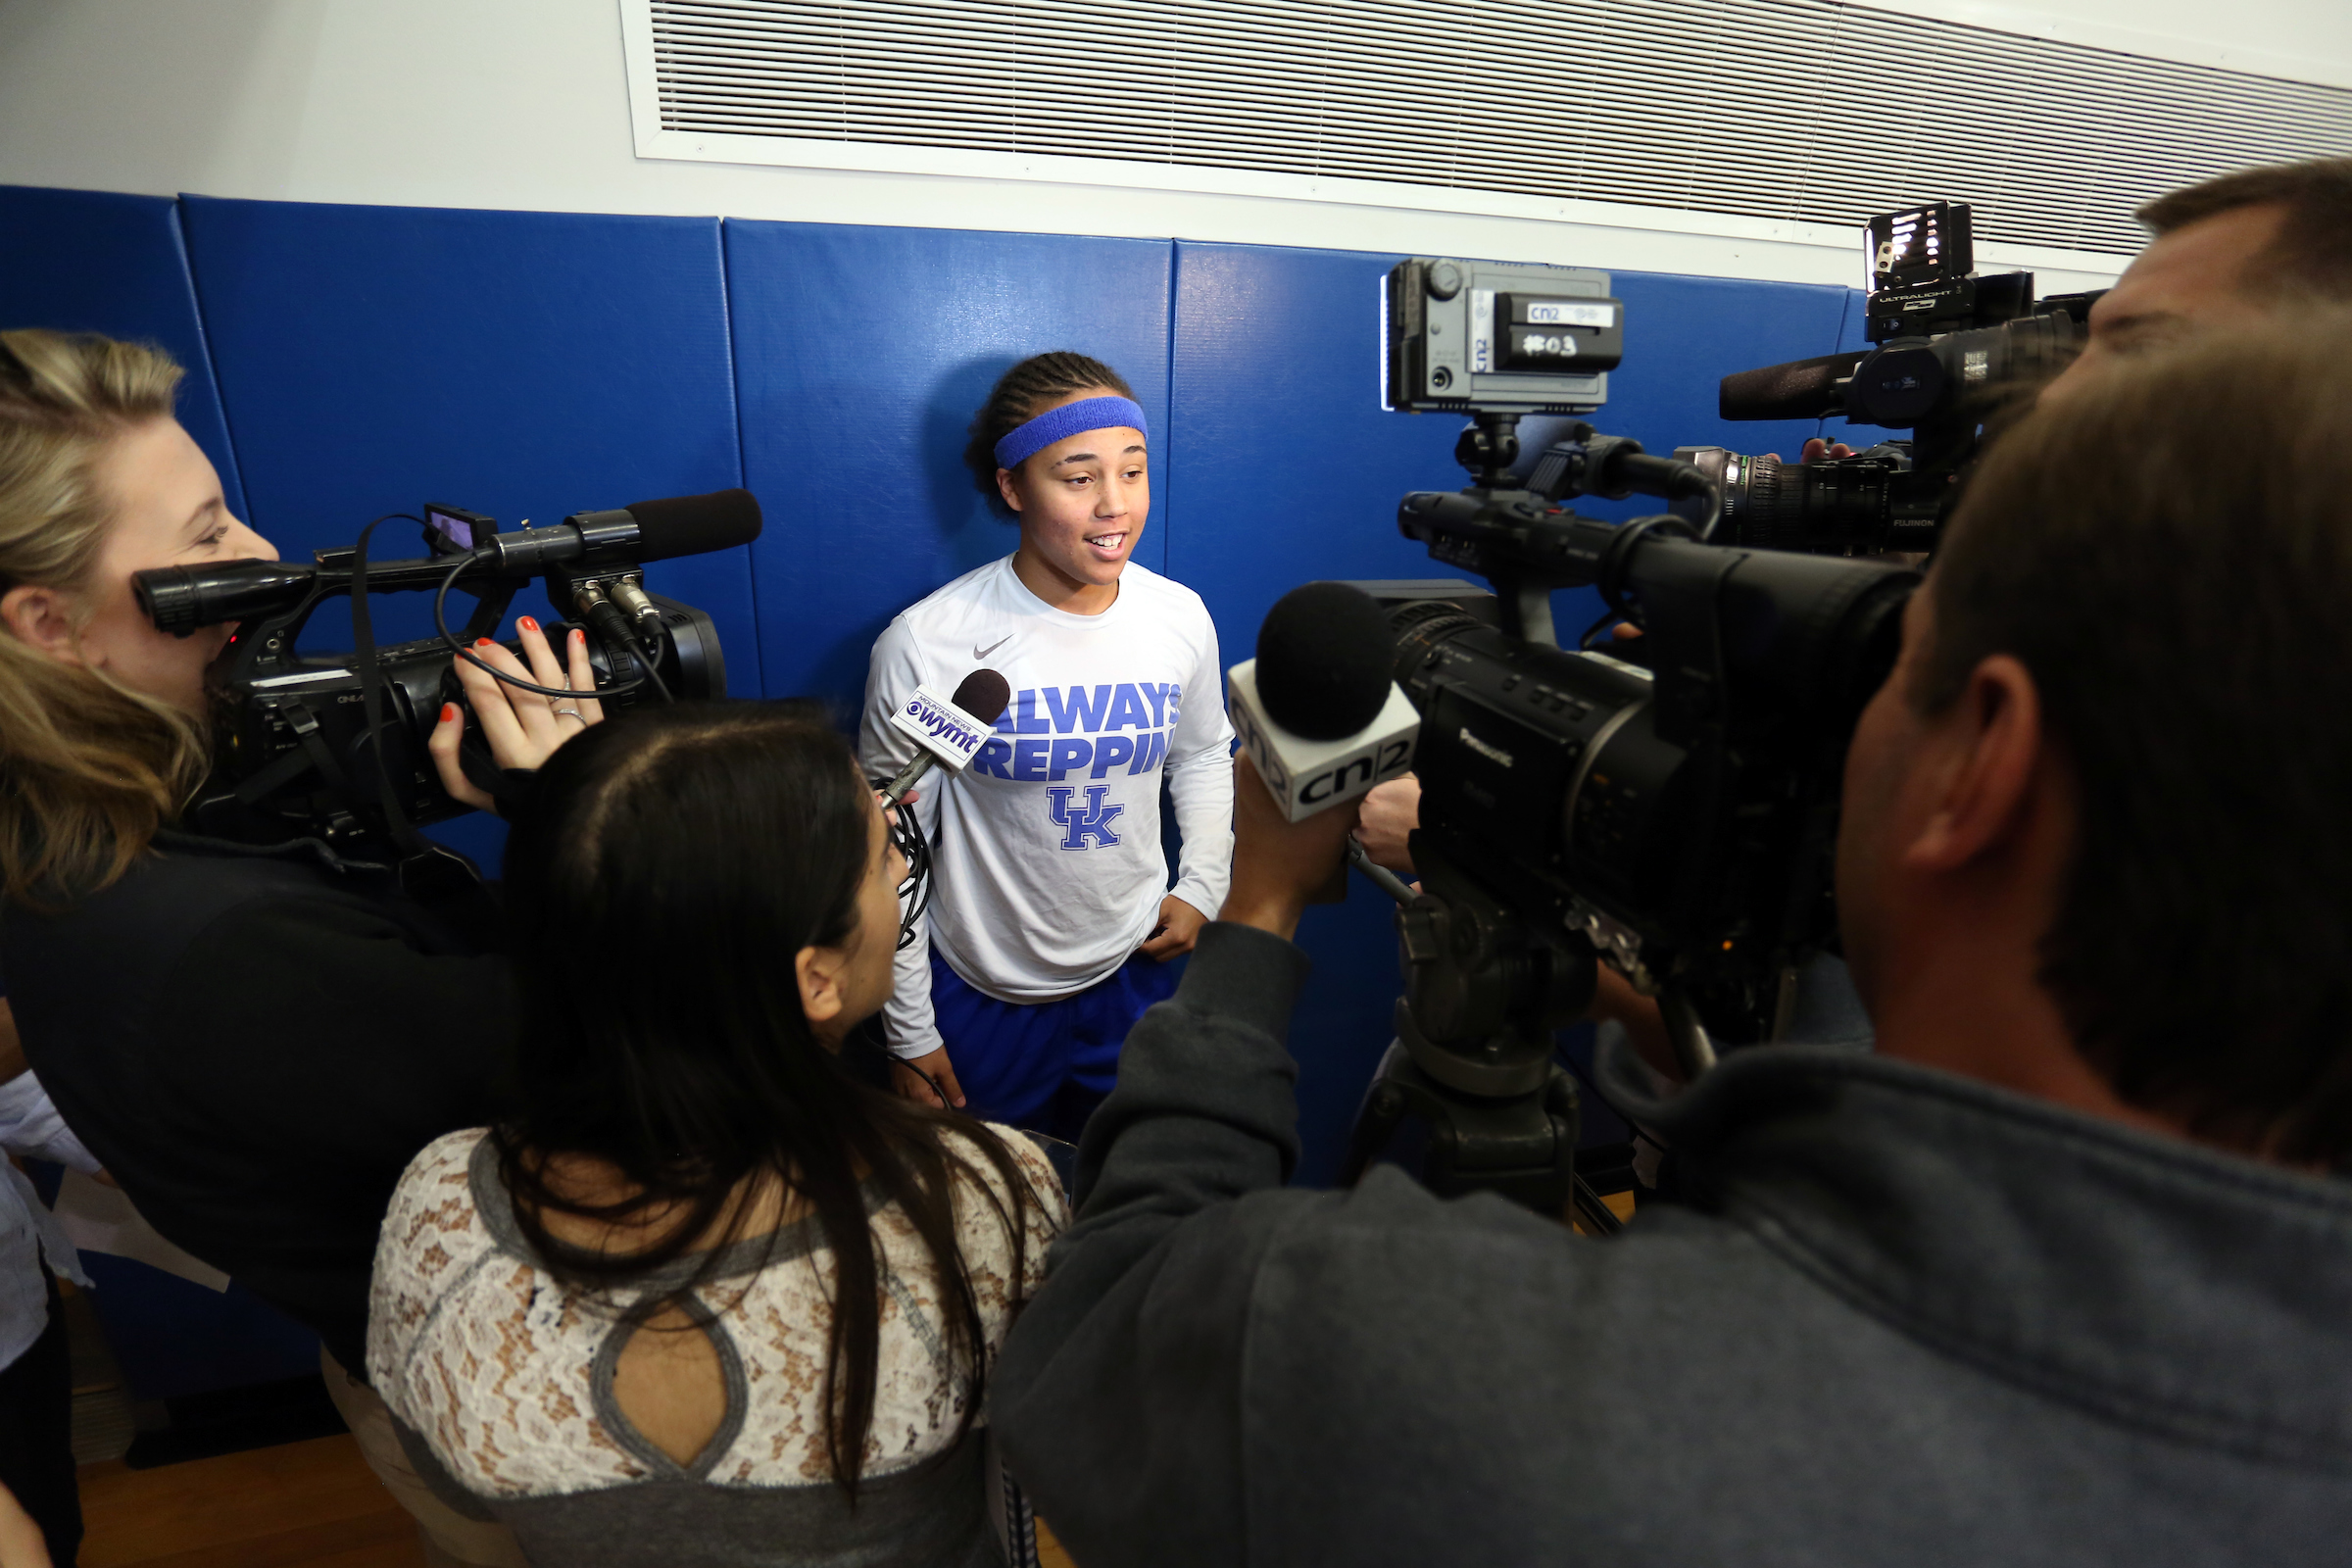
x=1801 y=389
x=641 y=531
x=694 y=525
x=180 y=599
x=948 y=729
x=1316 y=709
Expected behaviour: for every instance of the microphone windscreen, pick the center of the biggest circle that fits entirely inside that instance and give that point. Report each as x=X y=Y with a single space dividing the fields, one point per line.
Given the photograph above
x=1324 y=657
x=1801 y=389
x=694 y=525
x=984 y=694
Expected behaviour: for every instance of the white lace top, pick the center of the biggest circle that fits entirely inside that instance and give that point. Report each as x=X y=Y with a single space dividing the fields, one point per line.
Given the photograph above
x=508 y=1376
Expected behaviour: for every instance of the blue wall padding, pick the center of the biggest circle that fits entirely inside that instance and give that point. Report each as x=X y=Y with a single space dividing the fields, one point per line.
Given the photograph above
x=524 y=365
x=1286 y=469
x=863 y=355
x=78 y=261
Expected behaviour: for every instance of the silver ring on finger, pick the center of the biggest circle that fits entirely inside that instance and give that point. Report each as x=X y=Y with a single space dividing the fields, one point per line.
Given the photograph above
x=571 y=713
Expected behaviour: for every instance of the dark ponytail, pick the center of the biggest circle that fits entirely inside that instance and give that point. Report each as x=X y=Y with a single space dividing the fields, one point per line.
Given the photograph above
x=674 y=862
x=1020 y=395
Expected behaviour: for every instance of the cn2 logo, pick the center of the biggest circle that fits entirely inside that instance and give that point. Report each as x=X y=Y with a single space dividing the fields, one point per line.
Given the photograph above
x=1091 y=820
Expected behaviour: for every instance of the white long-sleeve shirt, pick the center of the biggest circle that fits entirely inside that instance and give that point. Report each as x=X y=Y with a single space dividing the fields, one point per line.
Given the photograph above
x=30 y=1126
x=1046 y=871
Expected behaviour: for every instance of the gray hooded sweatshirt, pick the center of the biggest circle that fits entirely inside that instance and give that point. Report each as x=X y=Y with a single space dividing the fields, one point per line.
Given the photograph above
x=1908 y=1319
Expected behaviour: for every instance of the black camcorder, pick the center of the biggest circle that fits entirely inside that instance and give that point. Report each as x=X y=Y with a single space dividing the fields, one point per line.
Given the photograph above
x=1948 y=346
x=1674 y=817
x=332 y=746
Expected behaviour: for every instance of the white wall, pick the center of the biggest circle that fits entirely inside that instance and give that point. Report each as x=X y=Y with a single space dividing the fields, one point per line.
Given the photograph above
x=2296 y=39
x=524 y=104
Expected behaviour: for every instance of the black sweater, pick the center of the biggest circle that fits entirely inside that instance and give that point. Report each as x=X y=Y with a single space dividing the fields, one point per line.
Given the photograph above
x=1909 y=1320
x=256 y=1043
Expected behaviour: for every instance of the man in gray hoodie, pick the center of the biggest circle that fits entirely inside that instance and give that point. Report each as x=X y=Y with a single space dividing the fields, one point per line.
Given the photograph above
x=2062 y=1273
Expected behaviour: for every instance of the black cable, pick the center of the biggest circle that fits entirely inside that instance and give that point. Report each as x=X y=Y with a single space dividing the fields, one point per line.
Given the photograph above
x=403 y=832
x=914 y=892
x=441 y=625
x=908 y=1062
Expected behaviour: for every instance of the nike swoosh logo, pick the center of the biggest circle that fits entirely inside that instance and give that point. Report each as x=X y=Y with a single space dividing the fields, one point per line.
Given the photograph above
x=983 y=653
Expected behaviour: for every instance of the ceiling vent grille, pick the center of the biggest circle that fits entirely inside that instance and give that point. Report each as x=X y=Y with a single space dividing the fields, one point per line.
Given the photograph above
x=1769 y=108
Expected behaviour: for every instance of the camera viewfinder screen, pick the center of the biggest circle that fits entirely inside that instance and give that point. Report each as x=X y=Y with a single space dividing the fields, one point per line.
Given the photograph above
x=458 y=531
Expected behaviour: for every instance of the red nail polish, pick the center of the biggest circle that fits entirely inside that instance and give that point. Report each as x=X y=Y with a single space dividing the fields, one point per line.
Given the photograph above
x=527 y=624
x=449 y=711
x=485 y=643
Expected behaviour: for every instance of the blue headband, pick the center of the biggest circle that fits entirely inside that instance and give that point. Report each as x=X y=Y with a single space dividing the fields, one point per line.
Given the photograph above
x=1072 y=418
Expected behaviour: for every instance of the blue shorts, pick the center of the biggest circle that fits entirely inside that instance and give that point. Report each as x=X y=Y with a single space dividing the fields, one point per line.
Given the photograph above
x=1044 y=1065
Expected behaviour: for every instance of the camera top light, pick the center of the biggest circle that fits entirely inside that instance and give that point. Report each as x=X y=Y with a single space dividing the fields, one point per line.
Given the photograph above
x=1484 y=339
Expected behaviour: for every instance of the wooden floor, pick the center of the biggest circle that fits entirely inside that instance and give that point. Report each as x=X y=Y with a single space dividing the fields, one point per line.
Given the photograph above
x=300 y=1505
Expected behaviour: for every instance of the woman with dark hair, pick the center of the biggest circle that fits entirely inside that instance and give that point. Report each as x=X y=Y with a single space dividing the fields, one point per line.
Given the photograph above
x=705 y=1280
x=1052 y=915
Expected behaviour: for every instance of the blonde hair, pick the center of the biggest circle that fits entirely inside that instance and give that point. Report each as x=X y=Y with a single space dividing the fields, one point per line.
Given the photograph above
x=89 y=770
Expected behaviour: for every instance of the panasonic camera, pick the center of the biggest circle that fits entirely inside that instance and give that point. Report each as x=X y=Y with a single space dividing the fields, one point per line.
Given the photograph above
x=1674 y=816
x=332 y=746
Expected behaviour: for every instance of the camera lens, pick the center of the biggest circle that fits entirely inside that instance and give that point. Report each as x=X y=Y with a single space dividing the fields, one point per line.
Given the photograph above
x=1835 y=505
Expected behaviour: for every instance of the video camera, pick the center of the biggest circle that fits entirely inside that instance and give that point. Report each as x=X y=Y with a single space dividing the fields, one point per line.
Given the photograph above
x=333 y=746
x=1678 y=820
x=1948 y=346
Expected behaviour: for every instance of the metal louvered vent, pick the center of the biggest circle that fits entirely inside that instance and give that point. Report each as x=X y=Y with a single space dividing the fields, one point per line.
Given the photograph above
x=1797 y=110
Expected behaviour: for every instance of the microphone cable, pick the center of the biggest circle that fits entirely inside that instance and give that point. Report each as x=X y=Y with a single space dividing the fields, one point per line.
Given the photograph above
x=617 y=688
x=914 y=891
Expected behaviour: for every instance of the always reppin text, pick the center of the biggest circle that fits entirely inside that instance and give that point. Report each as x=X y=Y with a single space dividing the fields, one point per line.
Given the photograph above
x=1092 y=719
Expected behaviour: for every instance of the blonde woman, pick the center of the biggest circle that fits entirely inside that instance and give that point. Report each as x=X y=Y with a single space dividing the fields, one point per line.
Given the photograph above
x=254 y=1040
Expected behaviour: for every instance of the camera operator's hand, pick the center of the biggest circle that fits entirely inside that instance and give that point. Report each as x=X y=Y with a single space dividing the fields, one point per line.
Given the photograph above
x=1614 y=999
x=1817 y=448
x=1279 y=865
x=1387 y=817
x=915 y=1076
x=523 y=729
x=1178 y=930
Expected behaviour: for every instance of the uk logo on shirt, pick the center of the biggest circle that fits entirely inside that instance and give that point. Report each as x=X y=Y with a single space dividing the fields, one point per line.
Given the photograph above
x=1079 y=823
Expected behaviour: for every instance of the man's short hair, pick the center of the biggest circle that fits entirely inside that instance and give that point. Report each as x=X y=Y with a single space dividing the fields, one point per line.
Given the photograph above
x=2172 y=561
x=2313 y=251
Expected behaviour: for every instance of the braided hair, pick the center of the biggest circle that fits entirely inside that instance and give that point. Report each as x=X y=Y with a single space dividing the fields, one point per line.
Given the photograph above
x=1021 y=395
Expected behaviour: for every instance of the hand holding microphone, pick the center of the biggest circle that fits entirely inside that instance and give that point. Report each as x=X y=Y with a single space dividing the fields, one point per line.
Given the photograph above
x=1278 y=864
x=1321 y=722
